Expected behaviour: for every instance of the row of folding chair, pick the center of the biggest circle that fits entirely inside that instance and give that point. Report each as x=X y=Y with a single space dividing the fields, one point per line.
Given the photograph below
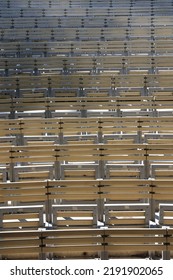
x=99 y=154
x=50 y=107
x=85 y=92
x=97 y=64
x=83 y=33
x=84 y=171
x=28 y=3
x=79 y=48
x=150 y=23
x=110 y=152
x=91 y=243
x=92 y=203
x=151 y=130
x=76 y=216
x=41 y=11
x=79 y=82
x=66 y=216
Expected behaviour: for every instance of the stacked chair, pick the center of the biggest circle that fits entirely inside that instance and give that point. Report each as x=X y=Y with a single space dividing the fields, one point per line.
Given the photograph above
x=86 y=134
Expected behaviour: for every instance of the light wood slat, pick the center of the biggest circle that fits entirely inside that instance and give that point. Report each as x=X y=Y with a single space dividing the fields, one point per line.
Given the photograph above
x=19 y=225
x=78 y=213
x=20 y=216
x=141 y=240
x=75 y=223
x=130 y=213
x=126 y=248
x=127 y=222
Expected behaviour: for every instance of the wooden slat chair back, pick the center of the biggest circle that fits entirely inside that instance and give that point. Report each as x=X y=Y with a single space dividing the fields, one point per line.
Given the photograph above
x=73 y=244
x=166 y=215
x=74 y=216
x=124 y=171
x=23 y=193
x=33 y=172
x=84 y=243
x=127 y=215
x=79 y=172
x=134 y=242
x=16 y=245
x=22 y=217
